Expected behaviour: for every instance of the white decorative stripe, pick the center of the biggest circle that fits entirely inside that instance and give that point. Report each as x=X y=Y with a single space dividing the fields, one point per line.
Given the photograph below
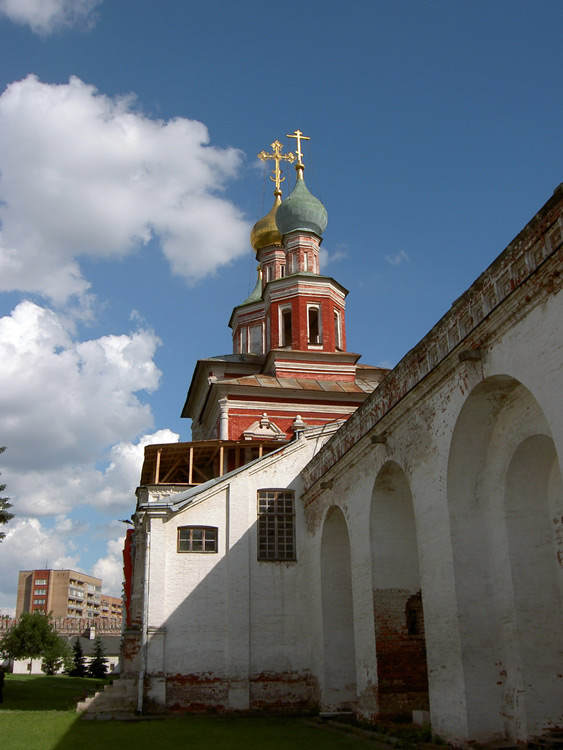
x=236 y=407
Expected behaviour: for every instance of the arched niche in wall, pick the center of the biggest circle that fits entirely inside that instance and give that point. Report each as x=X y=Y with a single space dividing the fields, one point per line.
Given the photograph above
x=397 y=600
x=339 y=689
x=505 y=496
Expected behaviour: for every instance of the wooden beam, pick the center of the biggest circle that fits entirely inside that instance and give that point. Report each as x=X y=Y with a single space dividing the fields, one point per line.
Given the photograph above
x=157 y=469
x=191 y=470
x=172 y=469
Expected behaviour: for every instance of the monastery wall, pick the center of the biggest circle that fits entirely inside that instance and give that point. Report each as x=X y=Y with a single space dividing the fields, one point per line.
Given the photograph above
x=448 y=494
x=429 y=539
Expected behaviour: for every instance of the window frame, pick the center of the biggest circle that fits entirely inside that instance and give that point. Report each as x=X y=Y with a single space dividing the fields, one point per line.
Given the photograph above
x=319 y=341
x=243 y=343
x=196 y=527
x=275 y=539
x=283 y=310
x=255 y=339
x=337 y=329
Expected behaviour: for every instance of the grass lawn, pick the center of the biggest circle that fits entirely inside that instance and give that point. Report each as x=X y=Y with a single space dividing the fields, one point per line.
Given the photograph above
x=42 y=693
x=35 y=715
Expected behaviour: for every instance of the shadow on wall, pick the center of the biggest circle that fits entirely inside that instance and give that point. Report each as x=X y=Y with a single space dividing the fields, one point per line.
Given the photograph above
x=238 y=639
x=506 y=512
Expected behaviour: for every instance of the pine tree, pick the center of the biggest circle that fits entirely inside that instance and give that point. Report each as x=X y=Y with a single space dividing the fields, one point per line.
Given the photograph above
x=98 y=665
x=4 y=505
x=79 y=668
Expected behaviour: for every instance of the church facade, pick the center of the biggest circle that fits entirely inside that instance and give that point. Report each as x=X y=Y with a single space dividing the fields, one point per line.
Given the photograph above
x=343 y=538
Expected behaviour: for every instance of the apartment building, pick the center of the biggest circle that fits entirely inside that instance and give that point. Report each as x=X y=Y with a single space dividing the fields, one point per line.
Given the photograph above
x=64 y=593
x=111 y=607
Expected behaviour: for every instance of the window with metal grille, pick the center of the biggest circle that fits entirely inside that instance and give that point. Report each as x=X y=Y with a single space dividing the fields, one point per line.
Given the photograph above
x=197 y=539
x=276 y=525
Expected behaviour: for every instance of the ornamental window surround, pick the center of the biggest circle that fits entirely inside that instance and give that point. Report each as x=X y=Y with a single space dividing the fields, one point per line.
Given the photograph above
x=197 y=539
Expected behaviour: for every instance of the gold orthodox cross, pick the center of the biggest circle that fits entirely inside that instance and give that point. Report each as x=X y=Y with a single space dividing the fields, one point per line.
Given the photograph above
x=277 y=156
x=298 y=135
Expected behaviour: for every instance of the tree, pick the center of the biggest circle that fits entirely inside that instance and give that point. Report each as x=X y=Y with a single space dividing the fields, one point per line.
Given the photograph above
x=30 y=638
x=79 y=668
x=98 y=666
x=57 y=656
x=4 y=504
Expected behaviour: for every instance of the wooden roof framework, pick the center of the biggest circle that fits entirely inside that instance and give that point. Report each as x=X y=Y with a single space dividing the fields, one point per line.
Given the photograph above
x=191 y=464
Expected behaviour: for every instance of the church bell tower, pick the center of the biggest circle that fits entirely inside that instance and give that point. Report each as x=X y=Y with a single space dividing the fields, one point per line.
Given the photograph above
x=289 y=367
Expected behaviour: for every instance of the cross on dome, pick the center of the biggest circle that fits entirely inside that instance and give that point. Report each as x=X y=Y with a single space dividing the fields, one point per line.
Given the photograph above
x=277 y=156
x=298 y=135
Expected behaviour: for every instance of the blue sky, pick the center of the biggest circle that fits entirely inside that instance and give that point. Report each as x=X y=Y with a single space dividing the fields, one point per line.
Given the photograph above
x=129 y=182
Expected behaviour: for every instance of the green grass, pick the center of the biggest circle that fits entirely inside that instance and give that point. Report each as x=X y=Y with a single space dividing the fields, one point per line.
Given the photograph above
x=41 y=693
x=31 y=718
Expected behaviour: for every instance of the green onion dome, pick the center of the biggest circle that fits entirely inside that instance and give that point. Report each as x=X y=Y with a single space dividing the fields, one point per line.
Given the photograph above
x=301 y=211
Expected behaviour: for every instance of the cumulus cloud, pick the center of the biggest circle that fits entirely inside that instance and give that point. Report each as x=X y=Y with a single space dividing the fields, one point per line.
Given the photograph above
x=397 y=258
x=47 y=16
x=50 y=491
x=29 y=545
x=110 y=567
x=63 y=401
x=83 y=174
x=59 y=541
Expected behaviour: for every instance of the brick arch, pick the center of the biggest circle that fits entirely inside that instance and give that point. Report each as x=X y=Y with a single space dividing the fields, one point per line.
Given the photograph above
x=401 y=655
x=503 y=481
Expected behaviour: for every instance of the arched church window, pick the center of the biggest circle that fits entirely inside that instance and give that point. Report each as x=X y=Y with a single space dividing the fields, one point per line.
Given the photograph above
x=286 y=327
x=314 y=321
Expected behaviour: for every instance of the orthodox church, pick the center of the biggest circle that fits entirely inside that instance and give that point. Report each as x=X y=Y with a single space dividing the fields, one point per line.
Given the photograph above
x=341 y=538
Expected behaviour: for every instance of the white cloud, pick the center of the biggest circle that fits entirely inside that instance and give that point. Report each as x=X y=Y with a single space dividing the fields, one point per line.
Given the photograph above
x=29 y=545
x=46 y=16
x=84 y=174
x=397 y=258
x=110 y=567
x=70 y=415
x=327 y=257
x=49 y=491
x=63 y=401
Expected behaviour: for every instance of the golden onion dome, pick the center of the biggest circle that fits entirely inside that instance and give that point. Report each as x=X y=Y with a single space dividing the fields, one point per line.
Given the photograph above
x=265 y=231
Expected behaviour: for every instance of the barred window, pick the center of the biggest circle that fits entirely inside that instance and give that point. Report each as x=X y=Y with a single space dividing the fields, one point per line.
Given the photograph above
x=276 y=525
x=197 y=539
